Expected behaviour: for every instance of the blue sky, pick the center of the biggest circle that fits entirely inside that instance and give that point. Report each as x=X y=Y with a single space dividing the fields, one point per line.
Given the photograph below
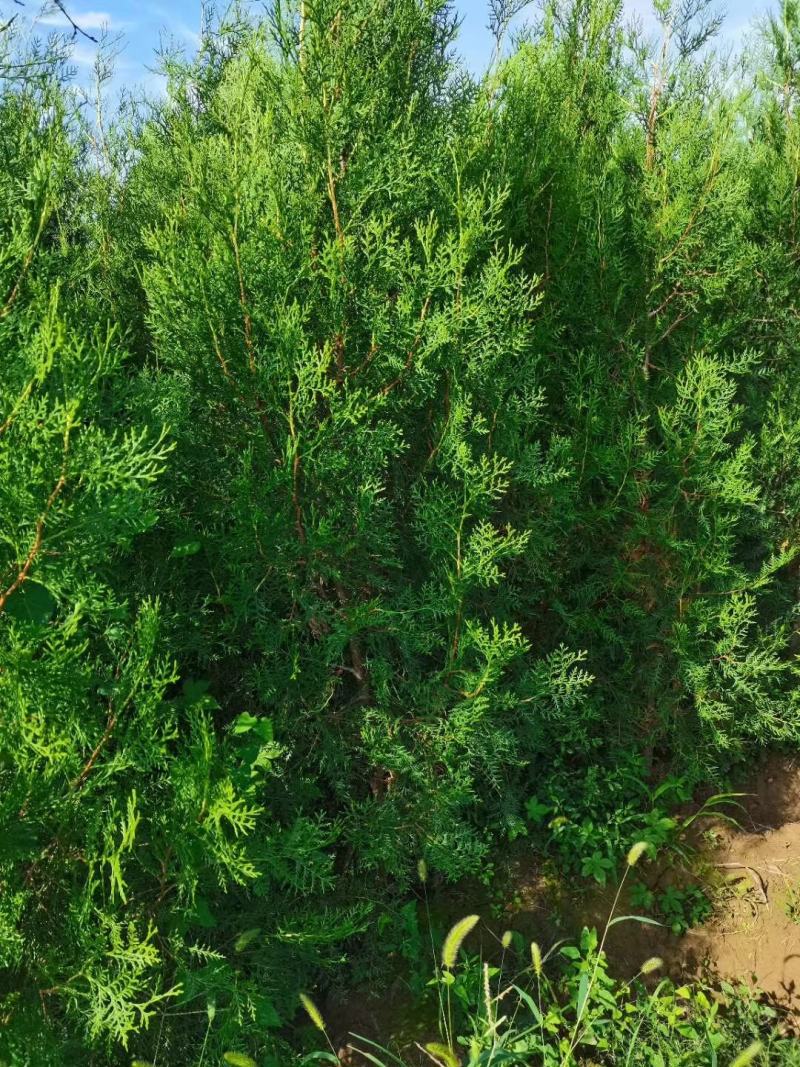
x=143 y=23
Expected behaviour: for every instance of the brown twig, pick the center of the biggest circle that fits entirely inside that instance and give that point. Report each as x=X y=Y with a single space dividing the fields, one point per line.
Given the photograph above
x=338 y=351
x=655 y=98
x=373 y=351
x=334 y=203
x=76 y=29
x=359 y=669
x=246 y=317
x=672 y=326
x=101 y=744
x=15 y=411
x=656 y=312
x=26 y=264
x=298 y=511
x=36 y=546
x=411 y=352
x=435 y=447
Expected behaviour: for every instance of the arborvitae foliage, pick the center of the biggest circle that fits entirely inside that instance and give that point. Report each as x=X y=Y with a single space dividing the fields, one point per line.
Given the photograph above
x=642 y=212
x=379 y=448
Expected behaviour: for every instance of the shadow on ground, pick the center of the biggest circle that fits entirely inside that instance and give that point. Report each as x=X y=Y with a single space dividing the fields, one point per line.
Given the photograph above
x=751 y=871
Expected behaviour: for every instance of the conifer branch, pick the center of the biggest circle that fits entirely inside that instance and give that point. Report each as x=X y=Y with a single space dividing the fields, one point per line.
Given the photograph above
x=27 y=262
x=298 y=511
x=21 y=401
x=243 y=303
x=111 y=722
x=411 y=352
x=36 y=546
x=295 y=490
x=358 y=665
x=655 y=97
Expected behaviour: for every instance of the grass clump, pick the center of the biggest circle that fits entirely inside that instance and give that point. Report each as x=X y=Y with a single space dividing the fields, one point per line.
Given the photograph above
x=564 y=1008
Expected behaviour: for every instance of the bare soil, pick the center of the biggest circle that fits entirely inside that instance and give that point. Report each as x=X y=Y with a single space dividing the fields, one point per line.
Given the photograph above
x=755 y=931
x=751 y=872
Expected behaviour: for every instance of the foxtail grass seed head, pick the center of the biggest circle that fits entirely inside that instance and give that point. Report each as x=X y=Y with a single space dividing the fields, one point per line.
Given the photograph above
x=238 y=1059
x=422 y=871
x=245 y=938
x=748 y=1055
x=506 y=939
x=536 y=959
x=636 y=852
x=442 y=1054
x=313 y=1012
x=655 y=963
x=452 y=943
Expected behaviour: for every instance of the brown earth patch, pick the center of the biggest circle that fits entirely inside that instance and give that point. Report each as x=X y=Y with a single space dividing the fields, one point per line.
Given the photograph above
x=751 y=872
x=755 y=931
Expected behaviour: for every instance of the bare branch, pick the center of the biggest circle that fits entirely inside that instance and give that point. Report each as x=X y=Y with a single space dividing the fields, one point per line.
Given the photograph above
x=59 y=5
x=76 y=29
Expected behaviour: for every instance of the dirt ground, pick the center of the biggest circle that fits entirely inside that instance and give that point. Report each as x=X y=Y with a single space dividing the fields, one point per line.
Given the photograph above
x=755 y=931
x=751 y=872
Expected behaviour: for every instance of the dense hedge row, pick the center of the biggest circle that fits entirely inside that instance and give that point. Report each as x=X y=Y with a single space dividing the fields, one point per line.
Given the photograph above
x=381 y=451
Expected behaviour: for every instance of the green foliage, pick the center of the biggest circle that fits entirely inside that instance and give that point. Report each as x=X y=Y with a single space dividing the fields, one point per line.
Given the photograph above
x=791 y=903
x=575 y=1012
x=564 y=1008
x=681 y=909
x=392 y=463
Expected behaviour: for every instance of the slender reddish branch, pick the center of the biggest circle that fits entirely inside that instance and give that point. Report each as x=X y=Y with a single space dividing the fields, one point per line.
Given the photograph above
x=298 y=511
x=359 y=668
x=334 y=203
x=35 y=547
x=411 y=352
x=12 y=296
x=246 y=317
x=101 y=744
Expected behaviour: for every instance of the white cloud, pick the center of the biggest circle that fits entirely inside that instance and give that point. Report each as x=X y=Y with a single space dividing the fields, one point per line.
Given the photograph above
x=155 y=85
x=82 y=55
x=86 y=20
x=642 y=10
x=176 y=26
x=734 y=27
